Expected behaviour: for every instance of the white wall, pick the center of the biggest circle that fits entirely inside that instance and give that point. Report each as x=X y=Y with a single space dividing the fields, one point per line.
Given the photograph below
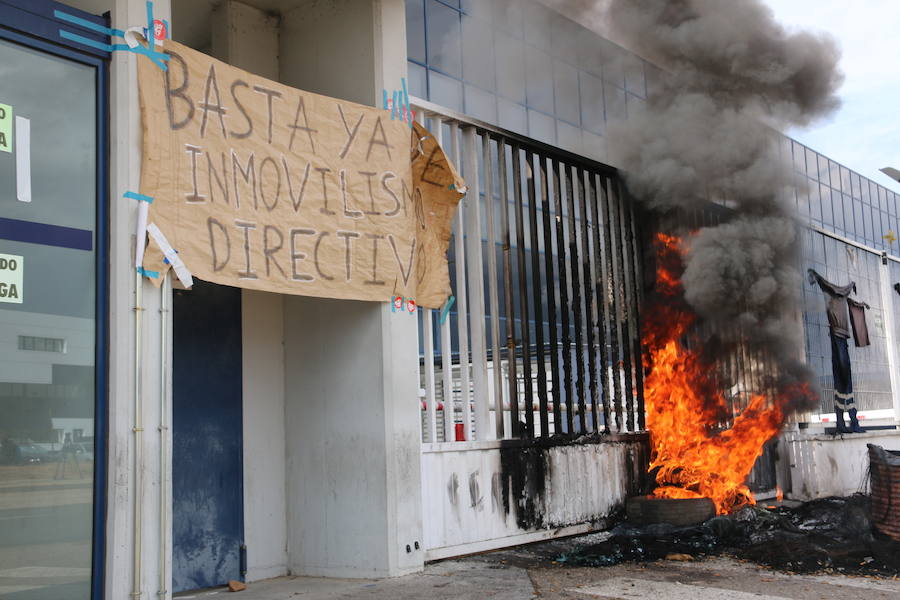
x=327 y=47
x=265 y=504
x=335 y=442
x=124 y=481
x=354 y=495
x=823 y=465
x=352 y=441
x=474 y=499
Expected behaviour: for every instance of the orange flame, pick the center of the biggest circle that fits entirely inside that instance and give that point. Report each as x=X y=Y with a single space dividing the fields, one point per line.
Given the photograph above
x=779 y=495
x=685 y=408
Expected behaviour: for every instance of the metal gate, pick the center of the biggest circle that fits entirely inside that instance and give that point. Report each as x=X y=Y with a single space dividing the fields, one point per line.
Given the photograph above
x=543 y=337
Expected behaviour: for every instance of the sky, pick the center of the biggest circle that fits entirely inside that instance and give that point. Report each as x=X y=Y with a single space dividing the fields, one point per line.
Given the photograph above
x=864 y=134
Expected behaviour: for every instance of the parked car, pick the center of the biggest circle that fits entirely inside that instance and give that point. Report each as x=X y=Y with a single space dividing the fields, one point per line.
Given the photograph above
x=27 y=452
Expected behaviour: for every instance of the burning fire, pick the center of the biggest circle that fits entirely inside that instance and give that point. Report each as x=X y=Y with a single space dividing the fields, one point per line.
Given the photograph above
x=692 y=456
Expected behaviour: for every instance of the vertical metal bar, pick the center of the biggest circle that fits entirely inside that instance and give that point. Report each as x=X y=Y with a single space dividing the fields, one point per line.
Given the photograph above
x=611 y=283
x=508 y=291
x=537 y=287
x=476 y=292
x=462 y=309
x=564 y=306
x=576 y=300
x=431 y=406
x=589 y=294
x=637 y=305
x=550 y=286
x=625 y=374
x=449 y=412
x=600 y=297
x=628 y=308
x=493 y=299
x=523 y=292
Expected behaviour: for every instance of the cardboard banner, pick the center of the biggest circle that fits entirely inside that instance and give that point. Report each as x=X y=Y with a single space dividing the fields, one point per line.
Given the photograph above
x=262 y=186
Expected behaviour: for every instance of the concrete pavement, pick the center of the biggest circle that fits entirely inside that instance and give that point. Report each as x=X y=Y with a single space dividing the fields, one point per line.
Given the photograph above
x=513 y=575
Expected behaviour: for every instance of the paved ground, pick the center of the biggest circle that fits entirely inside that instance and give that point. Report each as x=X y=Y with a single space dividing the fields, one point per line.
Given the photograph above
x=518 y=575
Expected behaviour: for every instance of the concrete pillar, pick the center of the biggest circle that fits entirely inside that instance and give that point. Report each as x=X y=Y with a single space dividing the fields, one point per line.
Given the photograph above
x=265 y=501
x=354 y=493
x=245 y=37
x=887 y=302
x=124 y=477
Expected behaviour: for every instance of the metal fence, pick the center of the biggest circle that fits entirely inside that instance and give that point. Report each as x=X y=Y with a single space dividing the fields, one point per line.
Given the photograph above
x=543 y=338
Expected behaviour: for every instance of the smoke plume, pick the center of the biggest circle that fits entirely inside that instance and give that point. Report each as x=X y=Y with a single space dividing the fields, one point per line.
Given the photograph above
x=733 y=74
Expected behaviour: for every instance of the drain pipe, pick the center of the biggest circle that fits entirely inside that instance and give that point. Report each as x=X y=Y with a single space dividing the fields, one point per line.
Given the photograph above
x=165 y=291
x=138 y=430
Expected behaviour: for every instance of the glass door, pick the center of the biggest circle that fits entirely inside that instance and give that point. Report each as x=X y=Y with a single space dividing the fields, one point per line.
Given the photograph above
x=48 y=322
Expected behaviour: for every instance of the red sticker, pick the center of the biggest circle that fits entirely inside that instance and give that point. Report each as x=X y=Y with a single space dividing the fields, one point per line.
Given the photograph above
x=411 y=305
x=159 y=30
x=398 y=302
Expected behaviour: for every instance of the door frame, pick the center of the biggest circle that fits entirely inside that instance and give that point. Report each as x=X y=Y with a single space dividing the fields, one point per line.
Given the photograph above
x=31 y=23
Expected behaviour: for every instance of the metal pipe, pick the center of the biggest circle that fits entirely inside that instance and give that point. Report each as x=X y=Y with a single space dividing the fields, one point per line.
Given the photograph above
x=551 y=294
x=523 y=292
x=600 y=299
x=493 y=296
x=564 y=306
x=638 y=304
x=575 y=305
x=588 y=285
x=537 y=286
x=507 y=289
x=625 y=301
x=164 y=293
x=609 y=229
x=138 y=431
x=449 y=414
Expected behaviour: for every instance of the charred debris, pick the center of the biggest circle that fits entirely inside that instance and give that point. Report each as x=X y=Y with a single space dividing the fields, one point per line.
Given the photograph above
x=831 y=535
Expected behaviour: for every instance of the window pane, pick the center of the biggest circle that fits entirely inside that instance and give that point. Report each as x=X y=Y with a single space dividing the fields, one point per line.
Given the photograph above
x=591 y=91
x=418 y=85
x=444 y=38
x=565 y=84
x=415 y=30
x=539 y=79
x=510 y=67
x=445 y=91
x=47 y=392
x=478 y=53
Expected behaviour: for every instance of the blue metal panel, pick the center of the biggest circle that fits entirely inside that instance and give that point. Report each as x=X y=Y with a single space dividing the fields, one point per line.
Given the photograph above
x=36 y=18
x=207 y=474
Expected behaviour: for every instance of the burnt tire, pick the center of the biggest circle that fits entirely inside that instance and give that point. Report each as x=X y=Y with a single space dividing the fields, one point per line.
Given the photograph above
x=681 y=512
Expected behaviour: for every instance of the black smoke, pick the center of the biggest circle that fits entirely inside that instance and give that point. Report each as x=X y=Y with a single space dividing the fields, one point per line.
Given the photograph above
x=708 y=133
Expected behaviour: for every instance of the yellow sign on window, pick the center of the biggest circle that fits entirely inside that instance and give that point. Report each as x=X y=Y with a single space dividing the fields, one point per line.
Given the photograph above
x=6 y=118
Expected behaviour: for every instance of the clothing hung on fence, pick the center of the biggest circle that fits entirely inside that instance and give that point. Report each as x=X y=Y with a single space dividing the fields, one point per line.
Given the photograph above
x=841 y=372
x=838 y=309
x=858 y=322
x=836 y=306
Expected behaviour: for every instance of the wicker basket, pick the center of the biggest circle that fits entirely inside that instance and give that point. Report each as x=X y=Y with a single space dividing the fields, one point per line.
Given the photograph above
x=884 y=468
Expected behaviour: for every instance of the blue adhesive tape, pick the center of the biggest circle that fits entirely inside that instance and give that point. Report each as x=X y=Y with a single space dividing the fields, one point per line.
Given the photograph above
x=87 y=24
x=136 y=196
x=148 y=273
x=408 y=115
x=394 y=106
x=74 y=37
x=446 y=310
x=156 y=57
x=384 y=99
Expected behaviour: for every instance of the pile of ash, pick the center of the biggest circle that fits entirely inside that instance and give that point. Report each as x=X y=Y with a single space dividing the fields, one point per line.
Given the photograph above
x=830 y=535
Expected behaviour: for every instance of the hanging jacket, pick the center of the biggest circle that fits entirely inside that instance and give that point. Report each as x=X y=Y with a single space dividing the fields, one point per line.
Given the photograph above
x=836 y=307
x=858 y=322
